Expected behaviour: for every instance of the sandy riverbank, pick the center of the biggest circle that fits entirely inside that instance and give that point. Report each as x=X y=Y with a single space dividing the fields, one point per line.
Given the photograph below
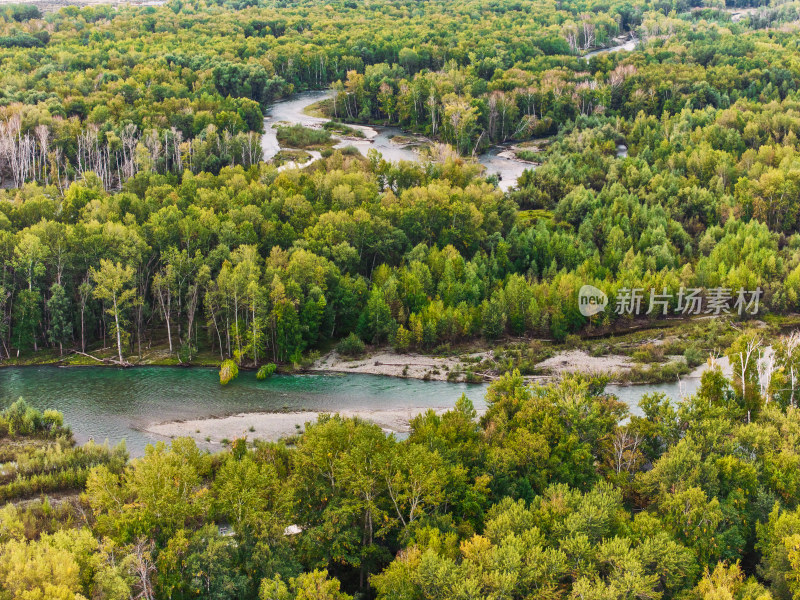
x=418 y=366
x=578 y=361
x=415 y=366
x=210 y=432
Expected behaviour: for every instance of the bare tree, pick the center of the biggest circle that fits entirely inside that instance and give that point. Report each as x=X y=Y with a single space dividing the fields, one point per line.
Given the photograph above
x=766 y=368
x=17 y=151
x=43 y=137
x=618 y=76
x=529 y=95
x=142 y=568
x=792 y=343
x=584 y=97
x=152 y=142
x=432 y=108
x=570 y=33
x=626 y=445
x=130 y=138
x=752 y=346
x=744 y=360
x=589 y=32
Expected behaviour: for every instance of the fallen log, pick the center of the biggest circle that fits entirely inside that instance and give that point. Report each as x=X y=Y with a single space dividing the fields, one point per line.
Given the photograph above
x=107 y=361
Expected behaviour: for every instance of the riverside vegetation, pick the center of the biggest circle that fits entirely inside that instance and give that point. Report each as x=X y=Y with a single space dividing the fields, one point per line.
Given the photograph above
x=136 y=215
x=556 y=492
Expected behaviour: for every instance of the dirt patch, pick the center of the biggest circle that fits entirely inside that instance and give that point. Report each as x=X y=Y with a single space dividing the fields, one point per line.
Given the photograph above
x=415 y=366
x=578 y=361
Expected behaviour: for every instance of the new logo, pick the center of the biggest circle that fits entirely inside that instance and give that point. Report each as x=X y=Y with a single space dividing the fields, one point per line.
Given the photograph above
x=591 y=300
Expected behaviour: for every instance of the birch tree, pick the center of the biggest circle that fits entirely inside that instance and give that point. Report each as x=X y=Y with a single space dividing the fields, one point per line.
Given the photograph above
x=113 y=286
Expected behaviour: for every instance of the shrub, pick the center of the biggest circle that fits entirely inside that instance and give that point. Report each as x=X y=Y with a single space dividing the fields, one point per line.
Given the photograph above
x=529 y=155
x=694 y=356
x=309 y=359
x=297 y=136
x=654 y=373
x=649 y=353
x=57 y=467
x=52 y=419
x=266 y=371
x=286 y=156
x=342 y=129
x=473 y=377
x=21 y=419
x=351 y=346
x=228 y=371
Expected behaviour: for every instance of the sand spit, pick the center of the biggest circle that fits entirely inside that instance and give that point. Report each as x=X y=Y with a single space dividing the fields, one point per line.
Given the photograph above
x=418 y=366
x=415 y=366
x=578 y=361
x=211 y=432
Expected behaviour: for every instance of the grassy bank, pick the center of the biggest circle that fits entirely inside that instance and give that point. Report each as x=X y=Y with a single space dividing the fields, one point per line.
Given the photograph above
x=657 y=351
x=297 y=136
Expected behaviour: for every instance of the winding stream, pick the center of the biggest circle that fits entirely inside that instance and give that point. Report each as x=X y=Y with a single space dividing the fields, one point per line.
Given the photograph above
x=117 y=404
x=628 y=45
x=380 y=138
x=497 y=160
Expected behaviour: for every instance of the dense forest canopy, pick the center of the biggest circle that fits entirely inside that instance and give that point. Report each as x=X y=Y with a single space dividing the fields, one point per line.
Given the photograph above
x=136 y=213
x=139 y=212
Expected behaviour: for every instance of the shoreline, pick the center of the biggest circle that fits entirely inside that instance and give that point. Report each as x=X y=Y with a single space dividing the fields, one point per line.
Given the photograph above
x=213 y=431
x=459 y=368
x=462 y=364
x=218 y=432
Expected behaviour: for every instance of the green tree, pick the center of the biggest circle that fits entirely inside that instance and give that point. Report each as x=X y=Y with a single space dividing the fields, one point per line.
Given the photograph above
x=154 y=497
x=112 y=285
x=27 y=318
x=59 y=306
x=493 y=317
x=376 y=323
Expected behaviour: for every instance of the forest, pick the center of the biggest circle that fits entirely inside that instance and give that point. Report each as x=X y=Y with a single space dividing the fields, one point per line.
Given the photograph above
x=137 y=214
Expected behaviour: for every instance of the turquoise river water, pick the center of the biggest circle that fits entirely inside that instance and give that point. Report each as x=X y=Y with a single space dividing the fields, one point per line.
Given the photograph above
x=115 y=404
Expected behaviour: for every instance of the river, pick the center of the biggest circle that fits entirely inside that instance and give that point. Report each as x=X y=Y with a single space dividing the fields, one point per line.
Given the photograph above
x=629 y=45
x=291 y=111
x=116 y=404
